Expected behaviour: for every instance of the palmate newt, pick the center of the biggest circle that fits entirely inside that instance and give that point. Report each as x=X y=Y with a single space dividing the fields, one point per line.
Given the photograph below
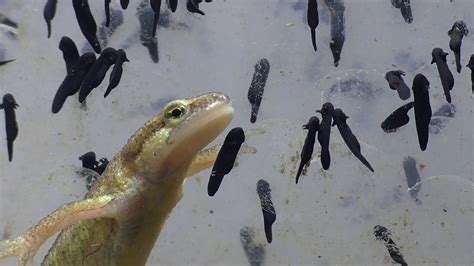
x=120 y=218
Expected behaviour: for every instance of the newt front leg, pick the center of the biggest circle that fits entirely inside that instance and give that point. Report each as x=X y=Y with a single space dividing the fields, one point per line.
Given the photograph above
x=205 y=159
x=26 y=245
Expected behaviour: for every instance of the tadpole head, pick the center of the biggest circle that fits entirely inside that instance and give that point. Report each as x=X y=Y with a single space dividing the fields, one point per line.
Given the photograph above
x=420 y=81
x=381 y=232
x=339 y=115
x=327 y=108
x=109 y=54
x=120 y=54
x=437 y=54
x=313 y=123
x=9 y=101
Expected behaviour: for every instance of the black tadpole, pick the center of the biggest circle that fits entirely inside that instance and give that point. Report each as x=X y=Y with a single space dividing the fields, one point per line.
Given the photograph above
x=338 y=35
x=97 y=73
x=470 y=65
x=457 y=32
x=72 y=83
x=193 y=7
x=383 y=234
x=107 y=12
x=255 y=93
x=405 y=9
x=313 y=20
x=70 y=52
x=146 y=17
x=307 y=151
x=412 y=176
x=61 y=94
x=156 y=6
x=87 y=23
x=255 y=252
x=396 y=82
x=422 y=105
x=325 y=133
x=49 y=12
x=340 y=120
x=11 y=127
x=225 y=159
x=268 y=210
x=447 y=79
x=397 y=118
x=116 y=75
x=89 y=161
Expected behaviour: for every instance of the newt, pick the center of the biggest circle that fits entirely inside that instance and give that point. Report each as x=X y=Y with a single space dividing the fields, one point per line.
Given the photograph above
x=120 y=218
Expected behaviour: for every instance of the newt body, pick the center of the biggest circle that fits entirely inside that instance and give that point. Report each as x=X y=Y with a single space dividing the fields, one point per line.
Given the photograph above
x=122 y=215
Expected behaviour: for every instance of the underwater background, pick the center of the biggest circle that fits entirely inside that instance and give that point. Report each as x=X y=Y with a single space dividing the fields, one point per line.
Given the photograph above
x=329 y=216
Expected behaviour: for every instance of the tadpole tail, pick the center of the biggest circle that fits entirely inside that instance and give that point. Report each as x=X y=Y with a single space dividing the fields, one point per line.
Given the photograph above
x=254 y=113
x=472 y=80
x=364 y=161
x=300 y=169
x=152 y=46
x=173 y=4
x=84 y=92
x=423 y=136
x=58 y=101
x=269 y=219
x=48 y=24
x=457 y=57
x=124 y=3
x=10 y=150
x=193 y=8
x=325 y=158
x=156 y=7
x=107 y=13
x=313 y=39
x=448 y=96
x=6 y=62
x=49 y=12
x=113 y=82
x=268 y=210
x=109 y=89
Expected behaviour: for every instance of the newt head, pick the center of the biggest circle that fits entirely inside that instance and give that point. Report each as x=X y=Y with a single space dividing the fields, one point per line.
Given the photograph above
x=172 y=138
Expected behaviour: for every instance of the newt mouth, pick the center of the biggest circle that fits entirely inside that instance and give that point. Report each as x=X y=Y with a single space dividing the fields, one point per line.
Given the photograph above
x=213 y=112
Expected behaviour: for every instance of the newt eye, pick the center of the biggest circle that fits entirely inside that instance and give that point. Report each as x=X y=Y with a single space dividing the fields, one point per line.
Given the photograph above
x=175 y=112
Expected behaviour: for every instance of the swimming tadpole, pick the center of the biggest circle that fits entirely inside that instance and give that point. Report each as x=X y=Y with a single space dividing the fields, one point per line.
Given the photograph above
x=255 y=93
x=268 y=210
x=225 y=159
